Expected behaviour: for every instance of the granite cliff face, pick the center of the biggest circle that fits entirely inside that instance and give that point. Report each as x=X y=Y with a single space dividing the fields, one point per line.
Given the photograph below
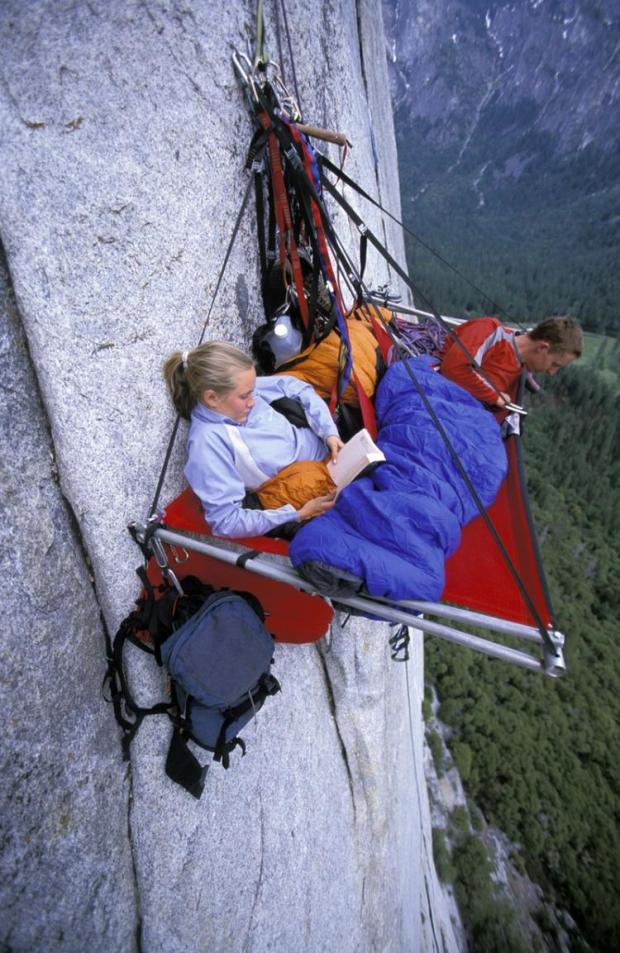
x=123 y=140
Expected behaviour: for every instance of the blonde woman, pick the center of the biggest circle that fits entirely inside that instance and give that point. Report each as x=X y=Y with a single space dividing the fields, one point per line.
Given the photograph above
x=238 y=442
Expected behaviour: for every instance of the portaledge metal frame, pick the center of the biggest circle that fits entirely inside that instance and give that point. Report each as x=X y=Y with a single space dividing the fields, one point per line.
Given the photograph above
x=410 y=613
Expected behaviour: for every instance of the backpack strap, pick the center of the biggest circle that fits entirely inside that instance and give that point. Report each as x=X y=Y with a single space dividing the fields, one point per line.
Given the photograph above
x=127 y=712
x=267 y=685
x=183 y=767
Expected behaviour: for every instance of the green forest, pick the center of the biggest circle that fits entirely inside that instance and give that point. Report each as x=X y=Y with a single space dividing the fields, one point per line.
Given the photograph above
x=541 y=757
x=545 y=242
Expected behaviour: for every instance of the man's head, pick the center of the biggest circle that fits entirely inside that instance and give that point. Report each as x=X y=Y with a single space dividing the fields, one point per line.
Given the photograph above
x=551 y=345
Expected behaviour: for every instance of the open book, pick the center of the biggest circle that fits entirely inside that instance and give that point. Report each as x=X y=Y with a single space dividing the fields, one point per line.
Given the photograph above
x=357 y=454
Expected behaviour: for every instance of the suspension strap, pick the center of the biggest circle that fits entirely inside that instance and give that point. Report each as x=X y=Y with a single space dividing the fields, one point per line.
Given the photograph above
x=175 y=428
x=346 y=369
x=260 y=224
x=361 y=225
x=325 y=162
x=287 y=246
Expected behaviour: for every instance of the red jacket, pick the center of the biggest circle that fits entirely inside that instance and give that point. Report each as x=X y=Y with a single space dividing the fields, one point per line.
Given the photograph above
x=493 y=348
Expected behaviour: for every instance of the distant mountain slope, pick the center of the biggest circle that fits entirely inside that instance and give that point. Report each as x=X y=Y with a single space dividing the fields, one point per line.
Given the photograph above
x=544 y=66
x=509 y=138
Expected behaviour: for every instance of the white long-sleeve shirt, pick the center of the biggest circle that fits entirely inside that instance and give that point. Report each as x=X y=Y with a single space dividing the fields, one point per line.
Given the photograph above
x=227 y=458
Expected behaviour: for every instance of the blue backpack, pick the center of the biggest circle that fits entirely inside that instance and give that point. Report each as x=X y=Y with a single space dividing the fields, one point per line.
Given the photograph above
x=218 y=654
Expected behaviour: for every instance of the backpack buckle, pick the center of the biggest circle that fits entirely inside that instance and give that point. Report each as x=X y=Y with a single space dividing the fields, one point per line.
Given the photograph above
x=271 y=685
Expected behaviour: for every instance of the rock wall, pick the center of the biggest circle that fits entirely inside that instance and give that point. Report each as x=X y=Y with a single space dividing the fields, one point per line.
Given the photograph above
x=123 y=138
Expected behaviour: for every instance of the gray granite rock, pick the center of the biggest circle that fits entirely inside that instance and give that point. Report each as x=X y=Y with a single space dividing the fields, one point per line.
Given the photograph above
x=123 y=144
x=67 y=871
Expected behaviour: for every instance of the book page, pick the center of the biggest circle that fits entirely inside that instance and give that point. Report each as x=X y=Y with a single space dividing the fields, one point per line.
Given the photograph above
x=355 y=456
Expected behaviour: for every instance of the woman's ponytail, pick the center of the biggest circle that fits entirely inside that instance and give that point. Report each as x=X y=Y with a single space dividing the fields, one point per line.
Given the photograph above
x=177 y=380
x=210 y=366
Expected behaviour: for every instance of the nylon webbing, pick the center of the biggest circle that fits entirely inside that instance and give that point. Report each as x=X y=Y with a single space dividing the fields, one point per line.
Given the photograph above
x=366 y=407
x=361 y=225
x=287 y=243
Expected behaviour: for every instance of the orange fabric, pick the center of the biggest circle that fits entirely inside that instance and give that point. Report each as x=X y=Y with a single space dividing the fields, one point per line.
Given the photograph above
x=320 y=364
x=296 y=484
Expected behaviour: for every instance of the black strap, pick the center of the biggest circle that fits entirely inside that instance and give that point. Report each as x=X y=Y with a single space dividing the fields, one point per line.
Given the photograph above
x=293 y=409
x=127 y=712
x=355 y=218
x=324 y=161
x=224 y=749
x=245 y=557
x=399 y=644
x=363 y=254
x=268 y=685
x=183 y=767
x=260 y=224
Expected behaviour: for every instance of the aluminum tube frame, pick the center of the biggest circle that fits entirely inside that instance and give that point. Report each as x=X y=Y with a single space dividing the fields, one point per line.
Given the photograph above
x=552 y=665
x=517 y=629
x=405 y=310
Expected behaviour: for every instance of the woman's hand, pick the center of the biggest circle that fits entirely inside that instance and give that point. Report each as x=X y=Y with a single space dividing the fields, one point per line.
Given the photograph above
x=316 y=506
x=334 y=445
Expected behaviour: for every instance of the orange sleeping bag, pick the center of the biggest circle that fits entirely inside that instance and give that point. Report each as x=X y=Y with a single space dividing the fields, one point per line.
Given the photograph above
x=298 y=483
x=318 y=365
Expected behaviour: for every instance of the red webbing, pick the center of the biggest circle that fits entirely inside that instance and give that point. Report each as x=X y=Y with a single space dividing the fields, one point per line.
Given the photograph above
x=383 y=338
x=287 y=244
x=366 y=407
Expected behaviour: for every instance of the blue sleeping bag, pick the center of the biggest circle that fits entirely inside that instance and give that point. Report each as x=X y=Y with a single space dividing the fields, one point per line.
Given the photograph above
x=393 y=529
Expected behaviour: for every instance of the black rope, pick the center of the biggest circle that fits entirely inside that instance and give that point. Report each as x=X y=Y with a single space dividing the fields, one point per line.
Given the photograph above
x=360 y=191
x=233 y=237
x=175 y=428
x=281 y=4
x=361 y=225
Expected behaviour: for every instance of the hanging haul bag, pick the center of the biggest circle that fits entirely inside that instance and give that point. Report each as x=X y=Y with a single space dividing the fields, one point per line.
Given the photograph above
x=218 y=655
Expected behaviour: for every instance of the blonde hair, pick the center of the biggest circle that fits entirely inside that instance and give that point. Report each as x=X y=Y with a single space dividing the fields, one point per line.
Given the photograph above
x=209 y=366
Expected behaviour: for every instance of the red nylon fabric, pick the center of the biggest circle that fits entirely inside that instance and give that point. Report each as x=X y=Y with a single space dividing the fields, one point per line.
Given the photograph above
x=292 y=616
x=366 y=407
x=477 y=576
x=287 y=242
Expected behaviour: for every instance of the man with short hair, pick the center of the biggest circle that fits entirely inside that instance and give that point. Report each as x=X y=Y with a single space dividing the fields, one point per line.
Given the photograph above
x=492 y=357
